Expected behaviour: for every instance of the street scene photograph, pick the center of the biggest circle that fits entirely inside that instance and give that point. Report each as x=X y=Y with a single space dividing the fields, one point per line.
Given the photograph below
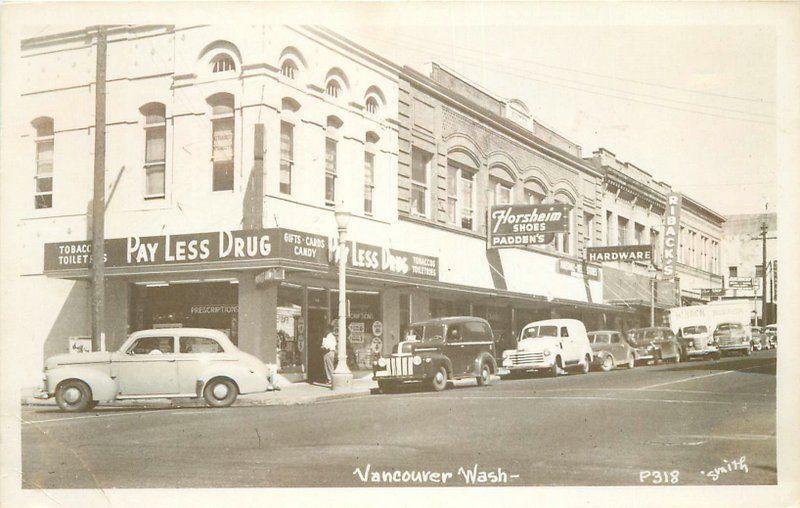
x=463 y=251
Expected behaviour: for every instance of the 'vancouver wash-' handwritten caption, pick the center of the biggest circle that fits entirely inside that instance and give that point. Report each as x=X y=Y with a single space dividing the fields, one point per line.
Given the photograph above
x=468 y=475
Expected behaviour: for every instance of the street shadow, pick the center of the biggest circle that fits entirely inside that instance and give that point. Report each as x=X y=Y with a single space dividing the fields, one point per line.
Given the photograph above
x=729 y=363
x=70 y=322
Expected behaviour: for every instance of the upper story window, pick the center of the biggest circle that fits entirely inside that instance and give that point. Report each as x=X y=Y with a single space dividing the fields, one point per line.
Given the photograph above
x=564 y=241
x=639 y=233
x=222 y=140
x=609 y=227
x=43 y=185
x=499 y=191
x=222 y=63
x=588 y=220
x=372 y=106
x=622 y=230
x=420 y=169
x=289 y=109
x=733 y=271
x=534 y=193
x=289 y=69
x=460 y=195
x=369 y=171
x=331 y=169
x=333 y=88
x=155 y=133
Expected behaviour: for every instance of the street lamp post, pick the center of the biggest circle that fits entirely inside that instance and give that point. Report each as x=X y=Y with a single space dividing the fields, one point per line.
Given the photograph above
x=654 y=272
x=342 y=377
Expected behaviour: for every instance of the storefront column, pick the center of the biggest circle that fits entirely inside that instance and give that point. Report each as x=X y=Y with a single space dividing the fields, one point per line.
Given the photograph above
x=420 y=306
x=258 y=318
x=390 y=312
x=116 y=313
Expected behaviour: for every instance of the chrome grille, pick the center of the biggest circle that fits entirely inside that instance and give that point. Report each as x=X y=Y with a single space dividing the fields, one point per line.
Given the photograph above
x=400 y=366
x=525 y=358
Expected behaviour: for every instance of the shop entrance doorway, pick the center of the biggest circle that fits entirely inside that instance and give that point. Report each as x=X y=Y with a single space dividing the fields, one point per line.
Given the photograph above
x=318 y=324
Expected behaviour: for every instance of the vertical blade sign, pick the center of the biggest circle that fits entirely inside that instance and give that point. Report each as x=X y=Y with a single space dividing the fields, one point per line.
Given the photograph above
x=672 y=217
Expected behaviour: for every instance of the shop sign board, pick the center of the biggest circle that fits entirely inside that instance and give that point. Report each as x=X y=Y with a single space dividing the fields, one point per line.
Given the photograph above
x=629 y=253
x=377 y=328
x=672 y=219
x=712 y=292
x=241 y=245
x=522 y=225
x=740 y=282
x=577 y=269
x=386 y=260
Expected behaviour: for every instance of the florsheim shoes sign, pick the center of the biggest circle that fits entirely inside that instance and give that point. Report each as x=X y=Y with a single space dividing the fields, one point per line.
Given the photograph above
x=521 y=225
x=628 y=253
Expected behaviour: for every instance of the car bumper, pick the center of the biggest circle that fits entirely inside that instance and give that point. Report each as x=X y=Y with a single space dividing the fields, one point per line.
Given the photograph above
x=42 y=394
x=734 y=347
x=701 y=352
x=522 y=367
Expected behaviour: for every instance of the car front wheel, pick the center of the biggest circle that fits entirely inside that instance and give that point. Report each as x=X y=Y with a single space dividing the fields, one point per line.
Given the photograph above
x=608 y=363
x=631 y=361
x=439 y=380
x=485 y=377
x=220 y=392
x=74 y=396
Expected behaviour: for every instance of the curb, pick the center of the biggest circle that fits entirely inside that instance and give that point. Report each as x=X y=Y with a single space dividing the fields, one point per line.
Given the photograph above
x=242 y=401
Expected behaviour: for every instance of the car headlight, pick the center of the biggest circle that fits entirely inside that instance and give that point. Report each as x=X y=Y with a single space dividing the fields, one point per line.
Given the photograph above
x=381 y=362
x=427 y=360
x=417 y=360
x=547 y=352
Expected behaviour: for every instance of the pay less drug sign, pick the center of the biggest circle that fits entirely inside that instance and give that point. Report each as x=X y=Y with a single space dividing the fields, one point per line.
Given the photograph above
x=521 y=225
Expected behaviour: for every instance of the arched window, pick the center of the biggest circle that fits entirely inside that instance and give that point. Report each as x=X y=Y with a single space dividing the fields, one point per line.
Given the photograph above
x=289 y=69
x=155 y=134
x=289 y=107
x=331 y=149
x=535 y=193
x=460 y=191
x=501 y=185
x=564 y=240
x=370 y=151
x=222 y=139
x=333 y=88
x=223 y=63
x=372 y=106
x=43 y=191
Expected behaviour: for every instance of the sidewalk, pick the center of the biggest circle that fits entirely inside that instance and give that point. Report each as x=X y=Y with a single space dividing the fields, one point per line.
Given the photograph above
x=289 y=394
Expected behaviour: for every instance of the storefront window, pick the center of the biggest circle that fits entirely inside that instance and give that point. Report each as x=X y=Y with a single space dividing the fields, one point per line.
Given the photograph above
x=291 y=330
x=364 y=328
x=212 y=305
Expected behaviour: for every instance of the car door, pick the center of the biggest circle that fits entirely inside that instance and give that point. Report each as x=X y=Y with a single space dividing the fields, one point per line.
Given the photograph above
x=618 y=348
x=569 y=346
x=195 y=355
x=148 y=367
x=476 y=339
x=456 y=349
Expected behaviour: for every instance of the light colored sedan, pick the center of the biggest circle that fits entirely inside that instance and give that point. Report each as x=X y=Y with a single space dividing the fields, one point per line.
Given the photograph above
x=163 y=363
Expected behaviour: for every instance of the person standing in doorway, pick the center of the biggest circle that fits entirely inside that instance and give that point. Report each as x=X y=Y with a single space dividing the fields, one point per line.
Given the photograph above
x=329 y=352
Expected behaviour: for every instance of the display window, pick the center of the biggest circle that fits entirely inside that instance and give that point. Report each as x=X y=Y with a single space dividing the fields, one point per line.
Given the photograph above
x=213 y=305
x=291 y=330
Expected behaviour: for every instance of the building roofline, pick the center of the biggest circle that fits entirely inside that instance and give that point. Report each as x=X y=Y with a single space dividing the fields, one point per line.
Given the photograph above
x=503 y=124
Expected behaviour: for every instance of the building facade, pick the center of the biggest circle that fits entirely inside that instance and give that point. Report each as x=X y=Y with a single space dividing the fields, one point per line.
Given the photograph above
x=228 y=152
x=743 y=263
x=634 y=205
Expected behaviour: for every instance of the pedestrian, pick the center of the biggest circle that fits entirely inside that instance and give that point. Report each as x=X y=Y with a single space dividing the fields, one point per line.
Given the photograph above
x=329 y=352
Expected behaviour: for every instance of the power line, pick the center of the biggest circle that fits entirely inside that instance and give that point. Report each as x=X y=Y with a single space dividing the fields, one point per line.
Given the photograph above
x=608 y=76
x=528 y=78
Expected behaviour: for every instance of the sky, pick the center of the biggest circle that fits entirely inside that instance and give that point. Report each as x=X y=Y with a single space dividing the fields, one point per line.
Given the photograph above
x=692 y=105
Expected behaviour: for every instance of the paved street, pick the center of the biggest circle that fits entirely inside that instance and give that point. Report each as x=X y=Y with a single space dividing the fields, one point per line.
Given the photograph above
x=595 y=429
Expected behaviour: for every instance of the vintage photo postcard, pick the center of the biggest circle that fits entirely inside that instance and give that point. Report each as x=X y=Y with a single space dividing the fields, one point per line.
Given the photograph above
x=399 y=254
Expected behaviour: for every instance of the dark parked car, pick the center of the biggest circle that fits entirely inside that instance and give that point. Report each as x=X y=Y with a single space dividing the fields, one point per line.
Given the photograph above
x=442 y=349
x=612 y=349
x=733 y=337
x=655 y=343
x=771 y=331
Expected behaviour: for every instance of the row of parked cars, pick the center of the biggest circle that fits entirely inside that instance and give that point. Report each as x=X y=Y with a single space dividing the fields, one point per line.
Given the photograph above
x=202 y=363
x=444 y=349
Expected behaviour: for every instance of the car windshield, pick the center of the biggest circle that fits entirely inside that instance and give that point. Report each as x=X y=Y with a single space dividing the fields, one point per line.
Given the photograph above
x=642 y=335
x=537 y=331
x=694 y=330
x=598 y=338
x=727 y=327
x=430 y=332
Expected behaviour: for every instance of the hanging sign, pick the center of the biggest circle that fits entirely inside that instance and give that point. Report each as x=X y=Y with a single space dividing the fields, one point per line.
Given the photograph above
x=522 y=225
x=630 y=253
x=672 y=217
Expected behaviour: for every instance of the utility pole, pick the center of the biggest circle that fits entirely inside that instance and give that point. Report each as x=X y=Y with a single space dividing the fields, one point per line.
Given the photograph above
x=99 y=194
x=764 y=273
